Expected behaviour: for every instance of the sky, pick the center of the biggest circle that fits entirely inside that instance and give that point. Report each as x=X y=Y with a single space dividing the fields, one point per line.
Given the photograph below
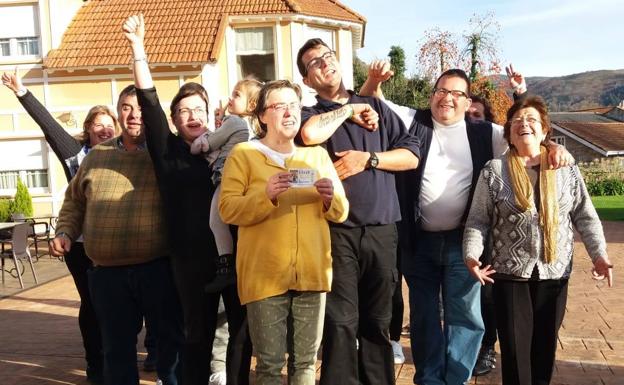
x=540 y=37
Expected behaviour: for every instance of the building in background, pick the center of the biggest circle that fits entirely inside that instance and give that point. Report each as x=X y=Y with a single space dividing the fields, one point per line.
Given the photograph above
x=71 y=55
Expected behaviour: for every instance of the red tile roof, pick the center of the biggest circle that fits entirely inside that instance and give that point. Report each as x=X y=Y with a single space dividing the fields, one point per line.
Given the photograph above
x=178 y=31
x=607 y=136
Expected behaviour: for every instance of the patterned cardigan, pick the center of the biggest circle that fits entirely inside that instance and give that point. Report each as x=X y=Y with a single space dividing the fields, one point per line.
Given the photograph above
x=516 y=237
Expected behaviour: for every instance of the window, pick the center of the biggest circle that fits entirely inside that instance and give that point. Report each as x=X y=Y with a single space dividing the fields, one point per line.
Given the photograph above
x=26 y=160
x=559 y=140
x=327 y=35
x=254 y=53
x=19 y=31
x=31 y=178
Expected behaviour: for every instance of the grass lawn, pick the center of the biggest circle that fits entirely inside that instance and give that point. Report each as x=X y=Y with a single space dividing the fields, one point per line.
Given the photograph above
x=610 y=208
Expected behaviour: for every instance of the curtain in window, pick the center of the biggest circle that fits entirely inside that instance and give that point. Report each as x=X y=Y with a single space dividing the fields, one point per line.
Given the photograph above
x=254 y=41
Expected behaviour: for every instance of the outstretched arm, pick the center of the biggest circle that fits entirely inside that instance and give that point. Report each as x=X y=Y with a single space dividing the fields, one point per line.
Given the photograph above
x=63 y=144
x=134 y=31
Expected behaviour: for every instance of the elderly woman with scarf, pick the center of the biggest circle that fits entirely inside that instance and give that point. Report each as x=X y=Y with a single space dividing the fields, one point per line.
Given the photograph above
x=530 y=211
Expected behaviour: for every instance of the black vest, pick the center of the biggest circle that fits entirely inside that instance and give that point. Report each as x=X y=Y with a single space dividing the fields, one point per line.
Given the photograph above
x=409 y=182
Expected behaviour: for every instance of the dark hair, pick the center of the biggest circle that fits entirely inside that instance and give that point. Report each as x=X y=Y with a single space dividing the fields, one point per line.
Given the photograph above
x=522 y=103
x=455 y=73
x=93 y=113
x=269 y=87
x=312 y=43
x=487 y=107
x=188 y=89
x=128 y=91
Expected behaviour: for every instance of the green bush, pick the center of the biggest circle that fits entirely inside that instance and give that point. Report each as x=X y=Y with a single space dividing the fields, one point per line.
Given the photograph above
x=5 y=209
x=606 y=187
x=22 y=203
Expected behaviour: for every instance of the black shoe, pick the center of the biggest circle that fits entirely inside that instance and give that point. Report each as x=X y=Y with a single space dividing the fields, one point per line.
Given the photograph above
x=225 y=274
x=485 y=361
x=149 y=365
x=95 y=376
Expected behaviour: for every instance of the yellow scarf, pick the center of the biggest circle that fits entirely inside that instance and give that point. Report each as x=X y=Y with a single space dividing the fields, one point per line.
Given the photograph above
x=549 y=207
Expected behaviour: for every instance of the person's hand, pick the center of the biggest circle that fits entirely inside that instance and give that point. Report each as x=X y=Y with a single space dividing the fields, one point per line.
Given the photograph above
x=516 y=80
x=365 y=116
x=134 y=29
x=219 y=113
x=277 y=184
x=325 y=188
x=200 y=144
x=379 y=71
x=12 y=81
x=481 y=275
x=351 y=162
x=60 y=245
x=559 y=157
x=603 y=268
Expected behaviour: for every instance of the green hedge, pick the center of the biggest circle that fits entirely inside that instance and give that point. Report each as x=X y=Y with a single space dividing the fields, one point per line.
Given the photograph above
x=5 y=209
x=606 y=187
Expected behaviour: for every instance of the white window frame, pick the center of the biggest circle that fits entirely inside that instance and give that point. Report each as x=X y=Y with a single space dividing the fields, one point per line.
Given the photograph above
x=561 y=140
x=23 y=175
x=237 y=53
x=14 y=41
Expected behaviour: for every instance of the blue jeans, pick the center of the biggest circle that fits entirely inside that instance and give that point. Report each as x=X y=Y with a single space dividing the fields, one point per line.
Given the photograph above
x=442 y=354
x=121 y=295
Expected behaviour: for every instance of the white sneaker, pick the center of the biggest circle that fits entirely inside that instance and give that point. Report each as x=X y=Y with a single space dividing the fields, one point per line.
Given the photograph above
x=218 y=378
x=397 y=350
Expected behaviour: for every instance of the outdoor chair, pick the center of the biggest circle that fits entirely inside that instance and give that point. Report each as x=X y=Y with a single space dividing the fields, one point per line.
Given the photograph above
x=39 y=232
x=19 y=249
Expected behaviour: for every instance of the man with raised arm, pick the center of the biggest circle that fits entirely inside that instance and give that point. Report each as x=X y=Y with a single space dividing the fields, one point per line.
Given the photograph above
x=367 y=143
x=435 y=200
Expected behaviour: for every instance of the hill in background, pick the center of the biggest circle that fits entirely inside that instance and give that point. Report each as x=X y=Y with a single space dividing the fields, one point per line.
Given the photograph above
x=580 y=91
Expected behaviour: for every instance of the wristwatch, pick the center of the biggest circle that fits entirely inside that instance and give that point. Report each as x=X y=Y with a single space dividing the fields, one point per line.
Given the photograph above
x=373 y=161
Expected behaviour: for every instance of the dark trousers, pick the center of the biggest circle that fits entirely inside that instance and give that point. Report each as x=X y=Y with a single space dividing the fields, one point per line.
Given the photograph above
x=528 y=316
x=200 y=320
x=121 y=295
x=359 y=307
x=78 y=264
x=488 y=313
x=398 y=307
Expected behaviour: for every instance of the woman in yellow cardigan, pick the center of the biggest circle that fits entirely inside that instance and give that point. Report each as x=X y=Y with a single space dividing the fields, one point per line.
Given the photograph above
x=281 y=197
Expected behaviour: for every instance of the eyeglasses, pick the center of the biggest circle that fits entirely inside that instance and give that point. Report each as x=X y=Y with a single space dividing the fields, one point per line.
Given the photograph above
x=197 y=111
x=99 y=126
x=532 y=121
x=317 y=61
x=282 y=107
x=442 y=92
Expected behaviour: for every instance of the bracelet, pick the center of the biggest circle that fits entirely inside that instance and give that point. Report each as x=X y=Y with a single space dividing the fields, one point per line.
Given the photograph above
x=21 y=92
x=62 y=234
x=352 y=111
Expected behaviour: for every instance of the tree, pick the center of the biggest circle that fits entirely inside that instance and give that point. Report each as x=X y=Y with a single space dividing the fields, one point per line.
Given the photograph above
x=22 y=203
x=481 y=51
x=438 y=53
x=496 y=96
x=360 y=72
x=396 y=88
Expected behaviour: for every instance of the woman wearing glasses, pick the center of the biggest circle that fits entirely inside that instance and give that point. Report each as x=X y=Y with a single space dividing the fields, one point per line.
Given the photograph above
x=529 y=211
x=186 y=188
x=281 y=197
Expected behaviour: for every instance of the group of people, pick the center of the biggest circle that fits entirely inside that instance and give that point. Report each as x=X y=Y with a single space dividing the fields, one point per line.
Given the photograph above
x=310 y=207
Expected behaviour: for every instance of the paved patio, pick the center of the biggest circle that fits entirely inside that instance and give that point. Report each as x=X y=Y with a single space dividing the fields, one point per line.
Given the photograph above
x=40 y=342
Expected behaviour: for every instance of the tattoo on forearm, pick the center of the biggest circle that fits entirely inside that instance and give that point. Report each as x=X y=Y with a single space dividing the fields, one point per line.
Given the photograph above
x=326 y=119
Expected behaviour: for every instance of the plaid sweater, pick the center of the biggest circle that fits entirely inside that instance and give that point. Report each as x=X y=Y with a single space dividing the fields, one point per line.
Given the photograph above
x=114 y=201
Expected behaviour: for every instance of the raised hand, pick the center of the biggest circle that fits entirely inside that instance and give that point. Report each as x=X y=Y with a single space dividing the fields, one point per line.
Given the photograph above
x=134 y=29
x=12 y=81
x=379 y=71
x=219 y=113
x=516 y=80
x=325 y=188
x=365 y=116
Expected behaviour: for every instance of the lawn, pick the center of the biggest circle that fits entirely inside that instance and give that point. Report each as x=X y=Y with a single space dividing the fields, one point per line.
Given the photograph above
x=610 y=208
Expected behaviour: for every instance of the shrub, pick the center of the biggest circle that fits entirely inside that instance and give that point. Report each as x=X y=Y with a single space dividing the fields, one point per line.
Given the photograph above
x=22 y=203
x=606 y=187
x=5 y=209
